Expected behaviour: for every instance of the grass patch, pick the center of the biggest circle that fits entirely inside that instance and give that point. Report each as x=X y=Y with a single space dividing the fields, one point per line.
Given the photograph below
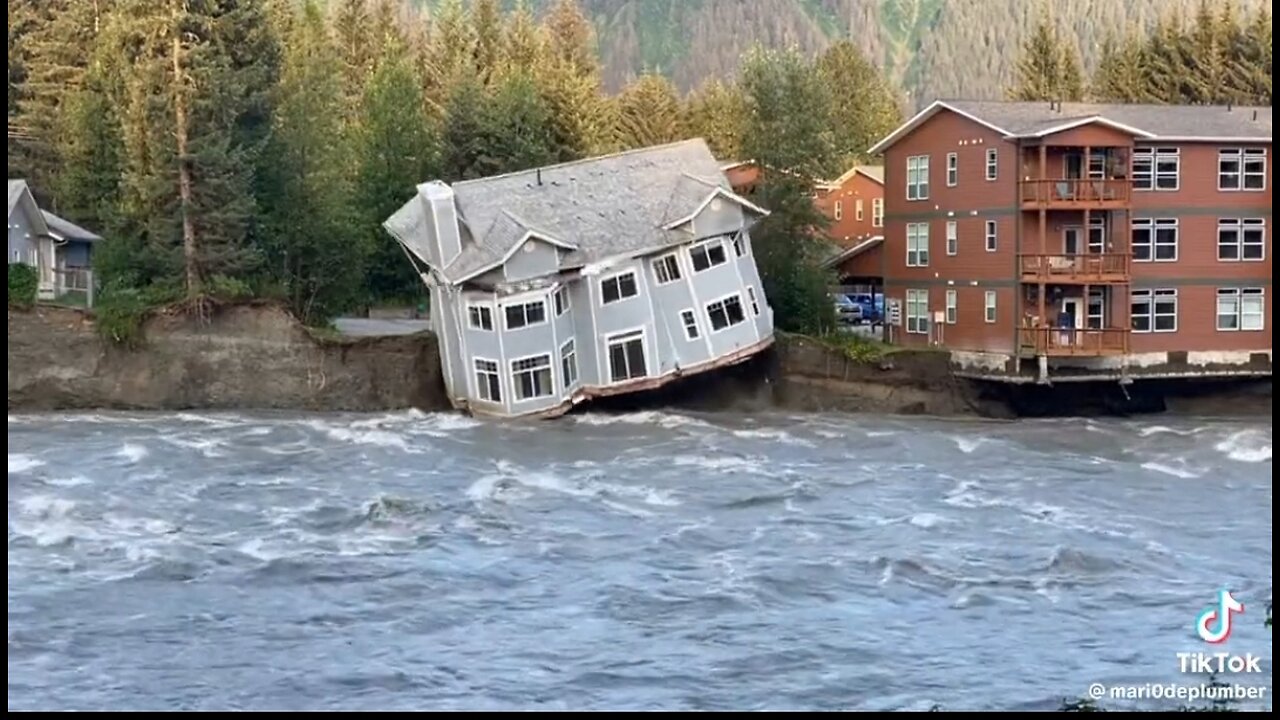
x=857 y=348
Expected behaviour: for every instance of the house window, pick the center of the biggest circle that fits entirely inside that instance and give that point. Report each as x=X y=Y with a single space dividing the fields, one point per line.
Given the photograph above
x=488 y=384
x=1155 y=239
x=1241 y=309
x=561 y=300
x=993 y=163
x=526 y=314
x=953 y=238
x=666 y=269
x=1155 y=168
x=1097 y=165
x=751 y=298
x=480 y=317
x=877 y=212
x=626 y=356
x=918 y=177
x=690 y=321
x=739 y=244
x=569 y=364
x=953 y=169
x=991 y=235
x=1155 y=310
x=857 y=210
x=917 y=244
x=1096 y=311
x=618 y=287
x=531 y=377
x=725 y=313
x=952 y=307
x=918 y=311
x=1242 y=169
x=839 y=210
x=707 y=255
x=989 y=306
x=1242 y=239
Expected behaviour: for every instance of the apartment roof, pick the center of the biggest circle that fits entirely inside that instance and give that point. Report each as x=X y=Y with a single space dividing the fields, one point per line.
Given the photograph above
x=856 y=250
x=67 y=230
x=875 y=172
x=595 y=208
x=1153 y=122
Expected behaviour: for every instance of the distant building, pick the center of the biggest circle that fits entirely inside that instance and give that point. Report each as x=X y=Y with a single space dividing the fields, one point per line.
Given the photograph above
x=598 y=277
x=1061 y=241
x=59 y=249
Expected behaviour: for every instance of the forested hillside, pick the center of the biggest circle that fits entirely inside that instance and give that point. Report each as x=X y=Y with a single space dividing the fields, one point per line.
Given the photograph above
x=930 y=48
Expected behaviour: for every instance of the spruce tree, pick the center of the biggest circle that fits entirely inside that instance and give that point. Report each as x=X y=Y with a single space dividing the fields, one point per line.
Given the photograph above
x=1047 y=69
x=523 y=45
x=717 y=113
x=92 y=149
x=521 y=127
x=648 y=113
x=353 y=30
x=451 y=55
x=864 y=107
x=466 y=130
x=569 y=82
x=486 y=23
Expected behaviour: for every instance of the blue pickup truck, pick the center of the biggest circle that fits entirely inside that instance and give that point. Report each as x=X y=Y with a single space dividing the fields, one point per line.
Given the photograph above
x=872 y=306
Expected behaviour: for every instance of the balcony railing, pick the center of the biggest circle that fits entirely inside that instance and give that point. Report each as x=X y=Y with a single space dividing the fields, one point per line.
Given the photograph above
x=1075 y=193
x=1055 y=341
x=1097 y=267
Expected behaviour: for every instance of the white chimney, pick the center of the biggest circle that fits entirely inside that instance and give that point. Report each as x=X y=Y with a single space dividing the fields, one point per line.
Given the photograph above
x=443 y=222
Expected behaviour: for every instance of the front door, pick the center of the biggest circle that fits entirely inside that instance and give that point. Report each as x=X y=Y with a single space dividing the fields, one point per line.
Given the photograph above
x=1072 y=241
x=1073 y=166
x=1071 y=308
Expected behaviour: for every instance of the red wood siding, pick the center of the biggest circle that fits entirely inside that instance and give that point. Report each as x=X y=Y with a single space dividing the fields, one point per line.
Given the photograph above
x=866 y=264
x=849 y=230
x=1197 y=326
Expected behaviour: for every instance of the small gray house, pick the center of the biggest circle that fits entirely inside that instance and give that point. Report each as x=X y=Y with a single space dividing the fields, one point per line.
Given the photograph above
x=58 y=249
x=597 y=277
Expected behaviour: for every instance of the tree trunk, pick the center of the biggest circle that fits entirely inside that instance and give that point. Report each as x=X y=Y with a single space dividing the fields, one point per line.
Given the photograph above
x=190 y=253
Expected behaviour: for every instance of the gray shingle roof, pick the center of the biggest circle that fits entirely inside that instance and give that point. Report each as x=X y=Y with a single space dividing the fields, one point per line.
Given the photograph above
x=15 y=193
x=1171 y=121
x=67 y=229
x=604 y=206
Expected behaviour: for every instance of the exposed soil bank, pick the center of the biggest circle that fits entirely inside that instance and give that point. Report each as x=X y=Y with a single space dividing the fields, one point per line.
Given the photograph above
x=257 y=356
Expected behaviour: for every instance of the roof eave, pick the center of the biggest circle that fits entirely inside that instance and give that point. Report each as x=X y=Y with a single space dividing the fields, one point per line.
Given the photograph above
x=923 y=115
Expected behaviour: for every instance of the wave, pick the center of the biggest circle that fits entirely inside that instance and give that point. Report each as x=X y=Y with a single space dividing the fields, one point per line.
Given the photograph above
x=1178 y=472
x=512 y=483
x=1163 y=430
x=1248 y=446
x=355 y=435
x=132 y=452
x=665 y=420
x=781 y=436
x=720 y=463
x=21 y=462
x=968 y=444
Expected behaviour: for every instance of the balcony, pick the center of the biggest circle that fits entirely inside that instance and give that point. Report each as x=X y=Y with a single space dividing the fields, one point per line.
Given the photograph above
x=1074 y=342
x=1076 y=194
x=1062 y=268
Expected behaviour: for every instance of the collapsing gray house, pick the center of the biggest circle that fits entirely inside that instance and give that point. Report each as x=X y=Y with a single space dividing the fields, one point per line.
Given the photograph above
x=597 y=277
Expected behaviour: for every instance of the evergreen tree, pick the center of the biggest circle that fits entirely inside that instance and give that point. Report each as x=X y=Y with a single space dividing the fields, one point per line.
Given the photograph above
x=451 y=55
x=571 y=38
x=486 y=23
x=1167 y=62
x=385 y=27
x=397 y=150
x=523 y=46
x=353 y=30
x=1119 y=76
x=92 y=149
x=648 y=113
x=717 y=113
x=1071 y=83
x=570 y=85
x=1208 y=57
x=789 y=136
x=311 y=247
x=864 y=108
x=522 y=127
x=466 y=130
x=1047 y=68
x=1254 y=58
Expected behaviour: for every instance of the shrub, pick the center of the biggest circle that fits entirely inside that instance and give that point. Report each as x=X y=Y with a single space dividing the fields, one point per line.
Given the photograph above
x=22 y=285
x=121 y=310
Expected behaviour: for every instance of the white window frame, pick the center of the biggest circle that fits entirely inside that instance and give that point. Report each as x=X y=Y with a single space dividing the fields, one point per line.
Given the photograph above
x=838 y=210
x=1146 y=168
x=1240 y=228
x=953 y=169
x=616 y=278
x=560 y=300
x=953 y=307
x=1149 y=296
x=482 y=385
x=858 y=212
x=724 y=301
x=989 y=306
x=626 y=336
x=953 y=237
x=689 y=319
x=993 y=164
x=1096 y=320
x=740 y=244
x=916 y=323
x=705 y=247
x=751 y=300
x=1152 y=227
x=515 y=384
x=569 y=364
x=918 y=177
x=991 y=237
x=661 y=262
x=1243 y=158
x=1235 y=298
x=476 y=315
x=918 y=244
x=506 y=319
x=877 y=212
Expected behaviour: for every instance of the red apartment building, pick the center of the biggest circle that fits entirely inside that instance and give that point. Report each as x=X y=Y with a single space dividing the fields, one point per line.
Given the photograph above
x=854 y=205
x=1052 y=241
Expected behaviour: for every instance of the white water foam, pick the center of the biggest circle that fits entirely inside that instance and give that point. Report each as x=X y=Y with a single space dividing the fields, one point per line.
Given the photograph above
x=356 y=435
x=1249 y=446
x=781 y=436
x=926 y=520
x=1165 y=430
x=669 y=421
x=48 y=521
x=208 y=447
x=967 y=444
x=21 y=462
x=721 y=463
x=1178 y=472
x=132 y=452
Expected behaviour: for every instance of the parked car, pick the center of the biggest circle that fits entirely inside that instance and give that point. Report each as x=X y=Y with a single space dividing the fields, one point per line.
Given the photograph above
x=847 y=311
x=872 y=306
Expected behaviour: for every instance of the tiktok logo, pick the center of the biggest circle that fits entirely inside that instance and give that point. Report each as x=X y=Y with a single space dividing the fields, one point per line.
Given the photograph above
x=1214 y=624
